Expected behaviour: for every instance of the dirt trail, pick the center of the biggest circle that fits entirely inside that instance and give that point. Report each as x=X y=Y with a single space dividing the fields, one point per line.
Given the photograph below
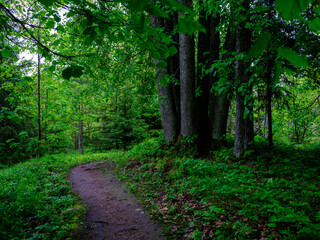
x=112 y=213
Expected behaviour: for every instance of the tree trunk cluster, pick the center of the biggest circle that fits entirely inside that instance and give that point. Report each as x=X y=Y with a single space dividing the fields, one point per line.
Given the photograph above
x=191 y=106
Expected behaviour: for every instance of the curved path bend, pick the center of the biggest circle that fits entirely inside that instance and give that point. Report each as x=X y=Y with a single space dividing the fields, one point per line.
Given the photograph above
x=112 y=213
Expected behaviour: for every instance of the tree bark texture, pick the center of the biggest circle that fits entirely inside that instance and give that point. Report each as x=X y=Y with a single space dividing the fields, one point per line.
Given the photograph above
x=269 y=101
x=165 y=95
x=239 y=136
x=203 y=83
x=187 y=81
x=249 y=124
x=39 y=107
x=243 y=43
x=80 y=136
x=219 y=104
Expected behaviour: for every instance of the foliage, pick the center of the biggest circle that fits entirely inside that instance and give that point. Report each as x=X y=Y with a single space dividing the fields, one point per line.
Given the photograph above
x=266 y=194
x=36 y=201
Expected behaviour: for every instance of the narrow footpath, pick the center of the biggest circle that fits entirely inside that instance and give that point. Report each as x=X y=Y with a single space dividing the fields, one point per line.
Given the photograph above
x=112 y=213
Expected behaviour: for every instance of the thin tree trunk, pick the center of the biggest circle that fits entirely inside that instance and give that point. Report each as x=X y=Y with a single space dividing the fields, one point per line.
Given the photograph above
x=116 y=113
x=249 y=124
x=39 y=108
x=270 y=66
x=80 y=141
x=269 y=101
x=45 y=128
x=259 y=122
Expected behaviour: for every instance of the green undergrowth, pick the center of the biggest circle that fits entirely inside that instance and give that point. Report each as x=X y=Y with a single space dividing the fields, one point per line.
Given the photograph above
x=36 y=201
x=267 y=194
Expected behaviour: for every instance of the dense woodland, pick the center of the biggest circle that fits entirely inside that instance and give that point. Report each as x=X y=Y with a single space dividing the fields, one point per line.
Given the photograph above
x=226 y=81
x=223 y=68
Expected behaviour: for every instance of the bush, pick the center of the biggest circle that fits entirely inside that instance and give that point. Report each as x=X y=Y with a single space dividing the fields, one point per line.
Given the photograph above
x=36 y=201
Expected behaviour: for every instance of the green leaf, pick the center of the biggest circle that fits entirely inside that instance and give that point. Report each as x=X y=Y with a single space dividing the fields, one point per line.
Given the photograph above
x=60 y=28
x=6 y=53
x=73 y=71
x=91 y=34
x=89 y=31
x=154 y=53
x=290 y=9
x=138 y=5
x=178 y=6
x=157 y=12
x=173 y=50
x=261 y=9
x=70 y=14
x=162 y=64
x=57 y=18
x=277 y=73
x=56 y=42
x=292 y=57
x=47 y=3
x=259 y=46
x=50 y=23
x=164 y=81
x=186 y=24
x=315 y=25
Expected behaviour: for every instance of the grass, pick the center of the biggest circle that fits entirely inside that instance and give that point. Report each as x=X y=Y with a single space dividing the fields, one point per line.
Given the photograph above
x=36 y=201
x=267 y=194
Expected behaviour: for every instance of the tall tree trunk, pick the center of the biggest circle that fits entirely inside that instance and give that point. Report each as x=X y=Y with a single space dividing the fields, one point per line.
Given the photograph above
x=45 y=127
x=240 y=94
x=249 y=125
x=259 y=122
x=244 y=127
x=39 y=108
x=80 y=136
x=269 y=101
x=187 y=80
x=203 y=82
x=116 y=114
x=174 y=70
x=165 y=94
x=219 y=104
x=270 y=67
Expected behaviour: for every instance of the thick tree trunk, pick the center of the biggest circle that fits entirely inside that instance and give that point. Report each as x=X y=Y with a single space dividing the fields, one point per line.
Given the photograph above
x=240 y=95
x=249 y=125
x=167 y=107
x=187 y=81
x=243 y=43
x=203 y=82
x=219 y=105
x=173 y=70
x=165 y=95
x=239 y=136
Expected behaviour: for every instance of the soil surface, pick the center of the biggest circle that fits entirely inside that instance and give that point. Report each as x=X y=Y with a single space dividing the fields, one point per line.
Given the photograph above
x=112 y=213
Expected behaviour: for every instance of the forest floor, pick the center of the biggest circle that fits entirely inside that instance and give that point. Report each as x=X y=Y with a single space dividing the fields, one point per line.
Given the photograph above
x=112 y=212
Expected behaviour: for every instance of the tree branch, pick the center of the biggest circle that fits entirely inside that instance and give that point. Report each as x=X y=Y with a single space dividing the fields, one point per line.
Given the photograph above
x=34 y=39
